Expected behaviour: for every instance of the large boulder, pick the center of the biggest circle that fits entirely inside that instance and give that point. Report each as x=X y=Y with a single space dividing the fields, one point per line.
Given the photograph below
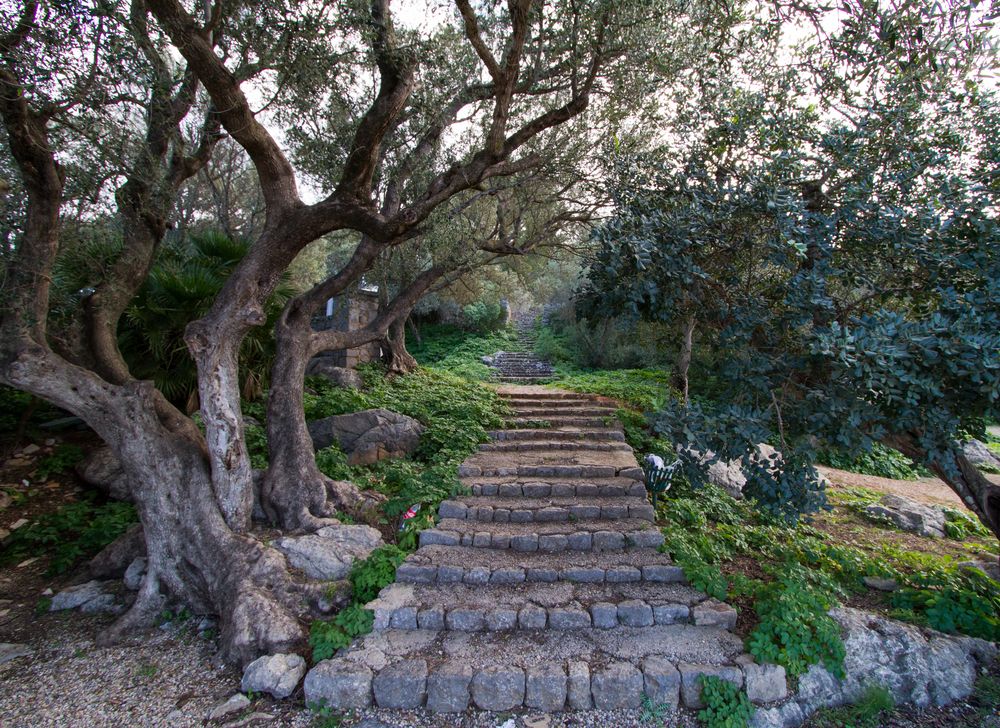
x=909 y=515
x=329 y=553
x=277 y=675
x=368 y=436
x=728 y=474
x=980 y=455
x=322 y=366
x=916 y=666
x=102 y=470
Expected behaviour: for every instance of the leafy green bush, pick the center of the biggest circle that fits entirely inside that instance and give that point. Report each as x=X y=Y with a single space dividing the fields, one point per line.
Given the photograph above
x=959 y=525
x=483 y=316
x=75 y=531
x=326 y=637
x=62 y=459
x=726 y=705
x=795 y=630
x=880 y=461
x=460 y=352
x=369 y=575
x=643 y=389
x=13 y=403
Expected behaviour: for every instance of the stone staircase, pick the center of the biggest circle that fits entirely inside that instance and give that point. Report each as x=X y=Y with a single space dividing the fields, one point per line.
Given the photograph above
x=522 y=367
x=542 y=589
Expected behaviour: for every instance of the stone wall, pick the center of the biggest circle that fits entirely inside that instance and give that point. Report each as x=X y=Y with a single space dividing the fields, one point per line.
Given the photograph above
x=350 y=312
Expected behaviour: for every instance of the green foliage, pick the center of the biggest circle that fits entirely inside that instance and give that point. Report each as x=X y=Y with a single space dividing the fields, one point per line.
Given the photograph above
x=62 y=459
x=326 y=637
x=795 y=630
x=646 y=390
x=653 y=713
x=460 y=352
x=726 y=705
x=183 y=283
x=455 y=413
x=881 y=461
x=482 y=316
x=369 y=575
x=953 y=610
x=867 y=712
x=960 y=525
x=13 y=403
x=75 y=531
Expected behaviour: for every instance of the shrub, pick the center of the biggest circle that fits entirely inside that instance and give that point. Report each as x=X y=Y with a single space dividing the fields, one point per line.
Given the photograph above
x=880 y=461
x=726 y=706
x=369 y=575
x=75 y=531
x=326 y=637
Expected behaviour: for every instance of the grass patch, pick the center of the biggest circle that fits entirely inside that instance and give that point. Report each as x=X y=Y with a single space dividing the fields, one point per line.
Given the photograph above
x=868 y=712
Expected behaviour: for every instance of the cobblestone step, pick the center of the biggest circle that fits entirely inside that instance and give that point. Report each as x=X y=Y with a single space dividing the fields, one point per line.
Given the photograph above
x=552 y=446
x=549 y=435
x=556 y=421
x=547 y=670
x=593 y=488
x=499 y=509
x=542 y=412
x=469 y=565
x=544 y=589
x=598 y=534
x=539 y=605
x=549 y=471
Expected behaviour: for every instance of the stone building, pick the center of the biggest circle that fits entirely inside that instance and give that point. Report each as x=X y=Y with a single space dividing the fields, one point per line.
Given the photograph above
x=344 y=313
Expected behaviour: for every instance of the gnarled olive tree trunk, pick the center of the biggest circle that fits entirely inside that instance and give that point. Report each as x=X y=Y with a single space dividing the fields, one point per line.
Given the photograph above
x=394 y=354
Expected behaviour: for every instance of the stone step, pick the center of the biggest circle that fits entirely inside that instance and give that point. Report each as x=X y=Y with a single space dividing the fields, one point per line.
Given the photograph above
x=594 y=488
x=552 y=446
x=469 y=565
x=546 y=670
x=540 y=605
x=546 y=395
x=594 y=534
x=542 y=412
x=549 y=471
x=548 y=435
x=498 y=509
x=557 y=421
x=555 y=404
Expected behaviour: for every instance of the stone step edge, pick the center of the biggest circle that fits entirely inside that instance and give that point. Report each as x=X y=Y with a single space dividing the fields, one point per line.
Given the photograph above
x=558 y=490
x=553 y=543
x=546 y=513
x=552 y=394
x=599 y=615
x=553 y=446
x=535 y=434
x=410 y=573
x=520 y=423
x=551 y=471
x=453 y=686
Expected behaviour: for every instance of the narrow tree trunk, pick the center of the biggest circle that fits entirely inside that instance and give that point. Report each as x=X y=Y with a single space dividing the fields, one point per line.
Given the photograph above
x=683 y=362
x=397 y=359
x=415 y=329
x=294 y=493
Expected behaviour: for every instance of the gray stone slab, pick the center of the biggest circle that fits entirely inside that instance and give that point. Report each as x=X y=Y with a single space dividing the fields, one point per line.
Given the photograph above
x=619 y=685
x=545 y=687
x=402 y=685
x=448 y=688
x=499 y=687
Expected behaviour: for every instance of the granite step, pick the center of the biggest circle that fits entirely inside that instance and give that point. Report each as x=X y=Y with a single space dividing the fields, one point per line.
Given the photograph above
x=470 y=565
x=553 y=446
x=549 y=394
x=499 y=509
x=592 y=534
x=542 y=412
x=548 y=471
x=548 y=435
x=577 y=489
x=557 y=421
x=543 y=670
x=540 y=605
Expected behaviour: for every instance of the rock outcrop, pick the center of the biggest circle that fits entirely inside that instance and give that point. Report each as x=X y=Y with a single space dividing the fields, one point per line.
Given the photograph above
x=909 y=515
x=102 y=470
x=329 y=553
x=922 y=667
x=368 y=436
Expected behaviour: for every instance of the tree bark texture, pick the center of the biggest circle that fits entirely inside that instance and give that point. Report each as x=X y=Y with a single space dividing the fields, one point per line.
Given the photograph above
x=683 y=362
x=397 y=359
